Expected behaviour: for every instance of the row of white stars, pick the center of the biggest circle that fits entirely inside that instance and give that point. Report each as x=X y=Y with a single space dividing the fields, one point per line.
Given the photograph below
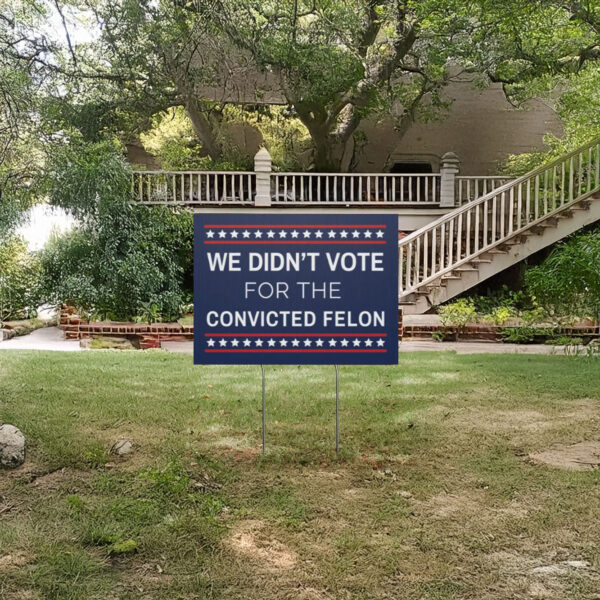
x=295 y=343
x=294 y=234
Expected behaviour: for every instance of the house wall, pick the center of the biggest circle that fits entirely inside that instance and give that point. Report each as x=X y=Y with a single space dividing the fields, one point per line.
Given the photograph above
x=482 y=128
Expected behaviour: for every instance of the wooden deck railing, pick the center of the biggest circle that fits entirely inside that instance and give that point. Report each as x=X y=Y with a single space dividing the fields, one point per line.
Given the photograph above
x=193 y=187
x=265 y=187
x=452 y=240
x=354 y=188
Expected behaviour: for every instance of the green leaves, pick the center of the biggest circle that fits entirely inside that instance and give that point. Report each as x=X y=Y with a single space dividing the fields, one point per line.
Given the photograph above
x=568 y=281
x=121 y=258
x=19 y=272
x=88 y=180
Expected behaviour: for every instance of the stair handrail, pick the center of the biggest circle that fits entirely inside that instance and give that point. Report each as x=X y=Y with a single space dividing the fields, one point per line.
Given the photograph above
x=408 y=283
x=503 y=188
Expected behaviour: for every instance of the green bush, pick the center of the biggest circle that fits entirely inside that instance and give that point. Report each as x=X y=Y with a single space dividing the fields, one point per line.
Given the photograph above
x=518 y=300
x=501 y=314
x=525 y=334
x=19 y=271
x=120 y=259
x=567 y=282
x=138 y=259
x=458 y=314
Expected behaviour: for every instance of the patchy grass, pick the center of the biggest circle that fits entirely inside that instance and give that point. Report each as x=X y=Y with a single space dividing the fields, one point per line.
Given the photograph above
x=433 y=496
x=110 y=343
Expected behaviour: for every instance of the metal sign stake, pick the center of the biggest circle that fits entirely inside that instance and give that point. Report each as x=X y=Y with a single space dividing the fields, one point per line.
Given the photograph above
x=337 y=410
x=264 y=421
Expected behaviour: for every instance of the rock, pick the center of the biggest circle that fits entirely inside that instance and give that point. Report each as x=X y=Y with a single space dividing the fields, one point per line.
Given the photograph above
x=12 y=447
x=121 y=448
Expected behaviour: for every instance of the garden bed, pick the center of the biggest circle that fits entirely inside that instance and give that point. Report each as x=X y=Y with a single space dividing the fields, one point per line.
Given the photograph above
x=498 y=333
x=148 y=335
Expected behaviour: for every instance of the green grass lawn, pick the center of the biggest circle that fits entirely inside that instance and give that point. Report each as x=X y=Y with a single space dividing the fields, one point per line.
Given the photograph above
x=432 y=496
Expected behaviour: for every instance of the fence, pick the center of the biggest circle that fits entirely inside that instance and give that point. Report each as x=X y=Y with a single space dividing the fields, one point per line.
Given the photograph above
x=264 y=187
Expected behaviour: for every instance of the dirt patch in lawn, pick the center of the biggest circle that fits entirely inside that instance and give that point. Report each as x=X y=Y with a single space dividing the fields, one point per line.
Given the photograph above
x=584 y=456
x=61 y=478
x=146 y=578
x=463 y=505
x=250 y=540
x=14 y=560
x=543 y=576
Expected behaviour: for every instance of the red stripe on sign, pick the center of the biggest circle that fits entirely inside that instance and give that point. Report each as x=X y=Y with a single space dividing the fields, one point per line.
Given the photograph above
x=296 y=226
x=299 y=350
x=292 y=242
x=295 y=335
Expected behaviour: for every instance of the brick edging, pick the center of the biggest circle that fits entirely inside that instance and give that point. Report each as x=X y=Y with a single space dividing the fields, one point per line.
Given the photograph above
x=149 y=335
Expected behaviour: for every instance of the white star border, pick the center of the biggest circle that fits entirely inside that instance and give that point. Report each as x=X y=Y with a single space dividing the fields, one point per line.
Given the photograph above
x=324 y=234
x=291 y=341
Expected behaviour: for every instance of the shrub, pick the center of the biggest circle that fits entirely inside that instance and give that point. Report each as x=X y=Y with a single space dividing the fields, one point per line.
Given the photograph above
x=457 y=314
x=140 y=259
x=567 y=282
x=504 y=297
x=519 y=335
x=120 y=259
x=501 y=314
x=19 y=272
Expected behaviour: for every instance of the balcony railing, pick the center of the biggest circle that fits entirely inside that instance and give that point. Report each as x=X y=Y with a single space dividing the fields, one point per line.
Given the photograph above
x=354 y=188
x=194 y=187
x=264 y=187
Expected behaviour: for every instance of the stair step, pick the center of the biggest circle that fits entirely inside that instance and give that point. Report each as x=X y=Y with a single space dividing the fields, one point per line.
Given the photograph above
x=583 y=205
x=517 y=239
x=477 y=261
x=497 y=251
x=466 y=269
x=551 y=222
x=406 y=303
x=447 y=277
x=565 y=214
x=537 y=230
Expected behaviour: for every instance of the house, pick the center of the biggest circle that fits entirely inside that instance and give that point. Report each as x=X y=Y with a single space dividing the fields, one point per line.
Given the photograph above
x=459 y=224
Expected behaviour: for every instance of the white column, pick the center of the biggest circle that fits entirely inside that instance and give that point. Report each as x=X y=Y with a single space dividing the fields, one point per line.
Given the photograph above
x=449 y=169
x=262 y=168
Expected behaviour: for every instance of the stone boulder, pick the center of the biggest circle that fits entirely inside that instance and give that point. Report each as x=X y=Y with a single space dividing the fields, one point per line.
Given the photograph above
x=12 y=447
x=122 y=448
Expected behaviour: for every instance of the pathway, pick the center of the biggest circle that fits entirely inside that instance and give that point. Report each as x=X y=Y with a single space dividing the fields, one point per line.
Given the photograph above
x=46 y=338
x=51 y=338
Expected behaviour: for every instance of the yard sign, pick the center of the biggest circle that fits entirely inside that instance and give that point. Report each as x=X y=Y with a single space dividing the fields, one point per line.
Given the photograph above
x=295 y=289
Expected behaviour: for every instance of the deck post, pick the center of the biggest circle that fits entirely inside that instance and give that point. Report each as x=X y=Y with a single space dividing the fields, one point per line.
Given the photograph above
x=449 y=169
x=262 y=168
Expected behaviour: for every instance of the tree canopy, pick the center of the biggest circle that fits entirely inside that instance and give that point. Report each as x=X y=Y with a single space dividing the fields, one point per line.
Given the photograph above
x=332 y=63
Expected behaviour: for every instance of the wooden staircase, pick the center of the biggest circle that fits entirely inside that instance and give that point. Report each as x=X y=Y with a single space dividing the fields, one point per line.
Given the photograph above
x=487 y=235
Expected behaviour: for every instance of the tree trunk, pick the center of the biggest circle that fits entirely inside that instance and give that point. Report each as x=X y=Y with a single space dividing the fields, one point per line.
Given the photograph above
x=327 y=157
x=203 y=129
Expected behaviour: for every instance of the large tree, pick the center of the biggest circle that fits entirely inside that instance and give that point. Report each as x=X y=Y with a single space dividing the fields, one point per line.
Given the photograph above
x=332 y=62
x=22 y=75
x=339 y=62
x=139 y=61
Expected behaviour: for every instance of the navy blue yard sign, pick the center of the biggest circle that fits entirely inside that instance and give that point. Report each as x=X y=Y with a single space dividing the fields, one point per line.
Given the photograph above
x=295 y=289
